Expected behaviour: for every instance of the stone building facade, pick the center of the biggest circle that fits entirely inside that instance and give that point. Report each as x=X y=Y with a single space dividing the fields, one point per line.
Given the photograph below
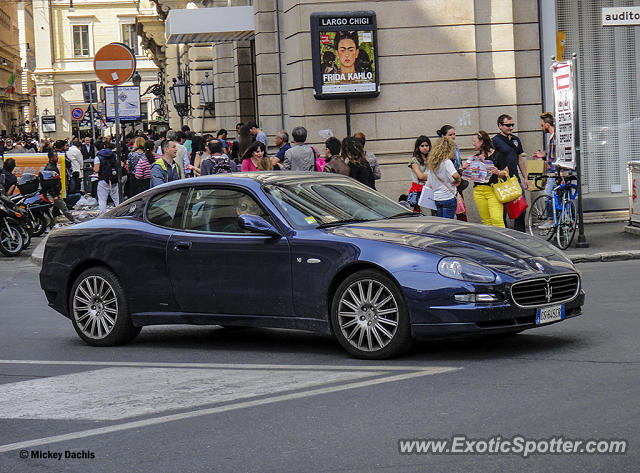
x=14 y=96
x=67 y=36
x=458 y=62
x=461 y=62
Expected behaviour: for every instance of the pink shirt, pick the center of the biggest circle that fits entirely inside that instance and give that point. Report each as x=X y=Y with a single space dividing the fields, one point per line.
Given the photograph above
x=247 y=165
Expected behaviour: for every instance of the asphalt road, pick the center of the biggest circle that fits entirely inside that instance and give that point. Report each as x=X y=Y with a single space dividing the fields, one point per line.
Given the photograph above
x=207 y=399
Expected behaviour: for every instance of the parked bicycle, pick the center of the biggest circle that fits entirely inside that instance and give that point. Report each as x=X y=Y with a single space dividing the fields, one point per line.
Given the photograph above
x=558 y=208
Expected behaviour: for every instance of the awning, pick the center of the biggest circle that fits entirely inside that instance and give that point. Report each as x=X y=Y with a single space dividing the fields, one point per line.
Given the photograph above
x=207 y=25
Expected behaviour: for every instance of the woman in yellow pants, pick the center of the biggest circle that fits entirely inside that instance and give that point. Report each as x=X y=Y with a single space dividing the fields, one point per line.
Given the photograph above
x=489 y=208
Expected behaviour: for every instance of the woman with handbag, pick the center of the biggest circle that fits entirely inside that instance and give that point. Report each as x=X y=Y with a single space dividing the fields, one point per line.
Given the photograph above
x=443 y=177
x=489 y=208
x=450 y=131
x=418 y=168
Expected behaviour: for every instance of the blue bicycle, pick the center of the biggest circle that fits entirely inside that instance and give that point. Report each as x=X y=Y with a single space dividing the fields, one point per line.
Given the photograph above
x=557 y=217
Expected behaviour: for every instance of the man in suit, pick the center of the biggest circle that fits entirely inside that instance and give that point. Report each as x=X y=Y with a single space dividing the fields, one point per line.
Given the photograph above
x=87 y=149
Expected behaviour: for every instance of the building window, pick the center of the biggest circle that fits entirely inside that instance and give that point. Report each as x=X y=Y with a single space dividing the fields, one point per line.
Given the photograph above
x=130 y=37
x=81 y=40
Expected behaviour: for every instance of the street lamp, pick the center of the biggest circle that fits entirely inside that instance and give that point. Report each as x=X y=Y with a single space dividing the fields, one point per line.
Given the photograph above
x=206 y=97
x=180 y=96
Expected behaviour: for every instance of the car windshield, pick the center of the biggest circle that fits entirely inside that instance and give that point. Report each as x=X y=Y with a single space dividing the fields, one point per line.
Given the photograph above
x=310 y=204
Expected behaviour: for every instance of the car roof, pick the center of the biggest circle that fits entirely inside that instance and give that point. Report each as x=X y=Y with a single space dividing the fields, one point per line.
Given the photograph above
x=260 y=177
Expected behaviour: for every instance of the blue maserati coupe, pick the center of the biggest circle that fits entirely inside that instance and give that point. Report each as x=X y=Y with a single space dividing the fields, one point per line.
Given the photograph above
x=310 y=251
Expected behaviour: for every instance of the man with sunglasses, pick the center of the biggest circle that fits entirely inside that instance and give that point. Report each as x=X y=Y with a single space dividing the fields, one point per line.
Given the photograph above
x=510 y=146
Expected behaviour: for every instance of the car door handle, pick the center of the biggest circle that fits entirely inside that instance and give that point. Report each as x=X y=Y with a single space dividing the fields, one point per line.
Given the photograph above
x=182 y=245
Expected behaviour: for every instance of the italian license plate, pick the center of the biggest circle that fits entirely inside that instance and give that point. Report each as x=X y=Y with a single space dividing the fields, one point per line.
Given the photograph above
x=549 y=314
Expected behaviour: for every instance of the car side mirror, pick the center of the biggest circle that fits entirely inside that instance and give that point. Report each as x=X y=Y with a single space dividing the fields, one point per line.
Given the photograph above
x=257 y=224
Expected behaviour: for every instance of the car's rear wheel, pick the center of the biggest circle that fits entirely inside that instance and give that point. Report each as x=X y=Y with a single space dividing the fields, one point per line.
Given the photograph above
x=370 y=317
x=99 y=309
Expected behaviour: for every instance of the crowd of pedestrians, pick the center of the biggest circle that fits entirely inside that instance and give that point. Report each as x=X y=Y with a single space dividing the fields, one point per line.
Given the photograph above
x=437 y=169
x=179 y=154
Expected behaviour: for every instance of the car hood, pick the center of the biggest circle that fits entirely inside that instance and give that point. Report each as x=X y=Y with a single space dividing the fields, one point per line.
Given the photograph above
x=507 y=251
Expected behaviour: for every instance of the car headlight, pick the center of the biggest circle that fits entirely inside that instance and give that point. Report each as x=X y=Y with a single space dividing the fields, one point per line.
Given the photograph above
x=456 y=268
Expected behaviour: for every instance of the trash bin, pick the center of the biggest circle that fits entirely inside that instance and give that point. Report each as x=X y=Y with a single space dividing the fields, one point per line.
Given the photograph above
x=634 y=191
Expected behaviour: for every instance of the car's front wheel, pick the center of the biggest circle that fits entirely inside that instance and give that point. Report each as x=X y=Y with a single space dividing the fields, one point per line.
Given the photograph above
x=370 y=317
x=99 y=309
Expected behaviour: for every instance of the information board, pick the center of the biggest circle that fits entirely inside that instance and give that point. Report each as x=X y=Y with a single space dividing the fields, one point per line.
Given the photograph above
x=128 y=103
x=563 y=94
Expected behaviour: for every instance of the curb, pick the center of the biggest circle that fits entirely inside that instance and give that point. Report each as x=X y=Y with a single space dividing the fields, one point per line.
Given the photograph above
x=605 y=257
x=38 y=252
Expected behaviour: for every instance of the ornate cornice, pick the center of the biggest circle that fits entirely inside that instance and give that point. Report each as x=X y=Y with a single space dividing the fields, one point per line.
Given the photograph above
x=156 y=52
x=163 y=6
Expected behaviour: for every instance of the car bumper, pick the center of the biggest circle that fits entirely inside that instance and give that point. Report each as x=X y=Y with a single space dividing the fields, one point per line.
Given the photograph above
x=469 y=319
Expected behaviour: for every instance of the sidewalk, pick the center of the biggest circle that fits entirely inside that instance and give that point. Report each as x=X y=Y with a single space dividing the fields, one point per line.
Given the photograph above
x=607 y=242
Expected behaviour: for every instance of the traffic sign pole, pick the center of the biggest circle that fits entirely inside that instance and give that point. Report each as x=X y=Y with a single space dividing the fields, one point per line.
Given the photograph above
x=117 y=117
x=93 y=129
x=114 y=64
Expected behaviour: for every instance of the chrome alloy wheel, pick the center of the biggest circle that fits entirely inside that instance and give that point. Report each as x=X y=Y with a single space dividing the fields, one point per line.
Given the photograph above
x=368 y=315
x=95 y=307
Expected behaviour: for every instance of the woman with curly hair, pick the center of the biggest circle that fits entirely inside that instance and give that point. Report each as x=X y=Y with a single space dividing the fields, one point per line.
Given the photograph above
x=353 y=154
x=448 y=130
x=443 y=178
x=490 y=210
x=255 y=158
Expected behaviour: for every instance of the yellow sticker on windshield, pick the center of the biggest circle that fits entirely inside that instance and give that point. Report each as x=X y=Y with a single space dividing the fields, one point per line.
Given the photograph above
x=310 y=220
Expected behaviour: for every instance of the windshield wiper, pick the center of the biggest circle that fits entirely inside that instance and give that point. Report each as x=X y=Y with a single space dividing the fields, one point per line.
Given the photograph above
x=343 y=222
x=405 y=214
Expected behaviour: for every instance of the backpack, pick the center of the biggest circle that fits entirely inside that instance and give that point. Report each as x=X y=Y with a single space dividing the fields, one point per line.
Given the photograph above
x=108 y=169
x=220 y=165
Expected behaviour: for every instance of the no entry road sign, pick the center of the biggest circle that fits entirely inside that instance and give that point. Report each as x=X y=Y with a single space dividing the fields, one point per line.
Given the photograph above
x=114 y=63
x=77 y=113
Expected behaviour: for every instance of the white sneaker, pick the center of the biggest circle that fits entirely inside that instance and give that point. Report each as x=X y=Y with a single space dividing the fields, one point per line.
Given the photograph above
x=546 y=225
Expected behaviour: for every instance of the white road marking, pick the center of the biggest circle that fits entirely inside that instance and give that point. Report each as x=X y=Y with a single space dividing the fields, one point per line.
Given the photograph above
x=215 y=410
x=118 y=393
x=154 y=364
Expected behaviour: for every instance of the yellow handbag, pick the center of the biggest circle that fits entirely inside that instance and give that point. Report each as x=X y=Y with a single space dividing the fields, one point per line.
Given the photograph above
x=507 y=190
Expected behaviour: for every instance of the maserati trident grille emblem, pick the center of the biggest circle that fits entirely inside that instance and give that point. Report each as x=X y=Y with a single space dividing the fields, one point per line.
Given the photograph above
x=548 y=292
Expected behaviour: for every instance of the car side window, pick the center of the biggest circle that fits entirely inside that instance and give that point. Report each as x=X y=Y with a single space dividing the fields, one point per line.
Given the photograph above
x=165 y=209
x=216 y=210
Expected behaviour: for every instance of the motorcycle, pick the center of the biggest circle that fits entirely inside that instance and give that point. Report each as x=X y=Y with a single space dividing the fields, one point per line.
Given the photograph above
x=12 y=234
x=34 y=203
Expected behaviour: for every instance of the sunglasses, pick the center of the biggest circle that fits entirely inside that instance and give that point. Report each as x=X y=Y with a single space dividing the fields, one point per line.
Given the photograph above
x=510 y=125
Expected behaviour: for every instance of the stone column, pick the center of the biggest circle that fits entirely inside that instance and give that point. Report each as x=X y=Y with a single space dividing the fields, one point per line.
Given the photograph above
x=224 y=82
x=243 y=69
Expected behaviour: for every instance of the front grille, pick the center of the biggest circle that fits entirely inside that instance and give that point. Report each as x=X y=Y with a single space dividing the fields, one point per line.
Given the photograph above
x=552 y=290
